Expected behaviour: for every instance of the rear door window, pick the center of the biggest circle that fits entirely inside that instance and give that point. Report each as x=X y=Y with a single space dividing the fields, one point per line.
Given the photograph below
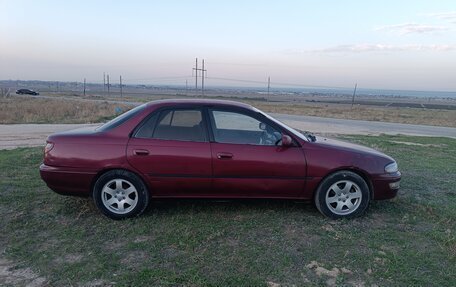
x=176 y=124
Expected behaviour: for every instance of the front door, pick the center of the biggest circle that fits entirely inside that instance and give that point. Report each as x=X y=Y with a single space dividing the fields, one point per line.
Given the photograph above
x=249 y=161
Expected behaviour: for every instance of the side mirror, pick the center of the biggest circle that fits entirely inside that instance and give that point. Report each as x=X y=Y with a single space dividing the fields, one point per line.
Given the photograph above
x=286 y=140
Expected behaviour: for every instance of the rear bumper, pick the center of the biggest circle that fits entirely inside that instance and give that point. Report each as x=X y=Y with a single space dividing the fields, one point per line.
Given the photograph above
x=386 y=186
x=67 y=181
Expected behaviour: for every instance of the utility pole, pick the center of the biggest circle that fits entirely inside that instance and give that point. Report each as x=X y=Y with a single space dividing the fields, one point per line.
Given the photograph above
x=269 y=85
x=104 y=82
x=354 y=93
x=84 y=87
x=196 y=74
x=186 y=87
x=196 y=69
x=120 y=86
x=202 y=78
x=107 y=78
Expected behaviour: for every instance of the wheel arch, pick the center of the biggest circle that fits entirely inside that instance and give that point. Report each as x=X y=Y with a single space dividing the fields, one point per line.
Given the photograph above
x=107 y=169
x=362 y=173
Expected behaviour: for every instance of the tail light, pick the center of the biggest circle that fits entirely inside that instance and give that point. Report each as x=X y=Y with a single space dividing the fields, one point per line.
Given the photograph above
x=48 y=147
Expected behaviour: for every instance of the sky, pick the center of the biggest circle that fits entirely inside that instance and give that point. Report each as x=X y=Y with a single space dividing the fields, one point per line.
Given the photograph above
x=377 y=44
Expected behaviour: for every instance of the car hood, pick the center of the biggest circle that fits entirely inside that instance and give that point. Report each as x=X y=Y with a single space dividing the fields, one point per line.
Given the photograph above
x=350 y=147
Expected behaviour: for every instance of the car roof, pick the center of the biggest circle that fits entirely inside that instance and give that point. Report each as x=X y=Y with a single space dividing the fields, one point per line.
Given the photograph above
x=210 y=102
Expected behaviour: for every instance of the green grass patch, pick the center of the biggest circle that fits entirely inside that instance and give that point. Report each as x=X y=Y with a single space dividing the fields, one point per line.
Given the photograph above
x=406 y=241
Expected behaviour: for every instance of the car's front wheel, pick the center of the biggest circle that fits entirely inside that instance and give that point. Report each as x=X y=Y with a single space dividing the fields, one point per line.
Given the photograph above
x=120 y=194
x=343 y=194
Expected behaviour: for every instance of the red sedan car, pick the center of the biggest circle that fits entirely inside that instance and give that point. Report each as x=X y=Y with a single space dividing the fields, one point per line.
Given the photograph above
x=212 y=149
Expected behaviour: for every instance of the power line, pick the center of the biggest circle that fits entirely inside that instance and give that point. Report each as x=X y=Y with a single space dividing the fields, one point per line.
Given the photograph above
x=236 y=80
x=276 y=83
x=159 y=78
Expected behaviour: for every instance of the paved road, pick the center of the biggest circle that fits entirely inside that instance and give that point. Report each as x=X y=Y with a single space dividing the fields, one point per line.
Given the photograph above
x=339 y=126
x=26 y=135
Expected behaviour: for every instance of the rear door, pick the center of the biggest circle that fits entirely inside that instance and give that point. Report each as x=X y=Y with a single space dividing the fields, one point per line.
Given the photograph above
x=172 y=150
x=248 y=160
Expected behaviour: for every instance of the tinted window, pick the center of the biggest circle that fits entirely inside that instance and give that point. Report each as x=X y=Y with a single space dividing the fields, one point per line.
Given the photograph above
x=232 y=127
x=121 y=119
x=147 y=129
x=185 y=125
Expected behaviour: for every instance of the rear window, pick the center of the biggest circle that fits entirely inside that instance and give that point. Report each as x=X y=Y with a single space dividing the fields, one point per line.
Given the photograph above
x=121 y=119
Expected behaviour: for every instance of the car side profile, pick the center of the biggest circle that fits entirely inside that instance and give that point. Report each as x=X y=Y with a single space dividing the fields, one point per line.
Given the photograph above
x=27 y=92
x=212 y=149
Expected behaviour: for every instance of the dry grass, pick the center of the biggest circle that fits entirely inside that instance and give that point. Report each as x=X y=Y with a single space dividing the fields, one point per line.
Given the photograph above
x=60 y=110
x=36 y=110
x=446 y=118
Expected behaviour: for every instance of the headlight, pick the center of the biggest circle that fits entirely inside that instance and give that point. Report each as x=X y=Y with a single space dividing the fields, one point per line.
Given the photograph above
x=391 y=168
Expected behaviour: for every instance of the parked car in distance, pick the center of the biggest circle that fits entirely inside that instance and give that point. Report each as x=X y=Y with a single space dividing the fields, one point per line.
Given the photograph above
x=26 y=92
x=212 y=149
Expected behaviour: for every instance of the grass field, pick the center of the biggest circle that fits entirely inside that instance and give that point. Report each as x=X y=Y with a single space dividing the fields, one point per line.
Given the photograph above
x=408 y=241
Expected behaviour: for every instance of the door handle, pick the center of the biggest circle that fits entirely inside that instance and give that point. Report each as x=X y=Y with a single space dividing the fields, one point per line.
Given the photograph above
x=224 y=155
x=141 y=152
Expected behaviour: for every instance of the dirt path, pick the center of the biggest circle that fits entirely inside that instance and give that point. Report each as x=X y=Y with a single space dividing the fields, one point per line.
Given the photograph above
x=321 y=125
x=12 y=276
x=28 y=135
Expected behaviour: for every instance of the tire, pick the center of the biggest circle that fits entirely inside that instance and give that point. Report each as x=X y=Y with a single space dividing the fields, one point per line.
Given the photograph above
x=343 y=194
x=120 y=194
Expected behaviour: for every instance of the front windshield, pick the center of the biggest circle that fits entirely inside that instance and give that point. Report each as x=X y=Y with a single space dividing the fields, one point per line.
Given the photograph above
x=121 y=119
x=292 y=130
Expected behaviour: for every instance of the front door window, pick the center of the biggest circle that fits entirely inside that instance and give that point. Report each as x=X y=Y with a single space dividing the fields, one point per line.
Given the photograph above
x=237 y=128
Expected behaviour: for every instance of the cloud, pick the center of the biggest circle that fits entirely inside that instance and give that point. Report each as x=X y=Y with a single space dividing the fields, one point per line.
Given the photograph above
x=370 y=48
x=451 y=16
x=412 y=28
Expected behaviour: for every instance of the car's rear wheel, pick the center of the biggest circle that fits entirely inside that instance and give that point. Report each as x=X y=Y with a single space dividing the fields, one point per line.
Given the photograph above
x=343 y=194
x=120 y=194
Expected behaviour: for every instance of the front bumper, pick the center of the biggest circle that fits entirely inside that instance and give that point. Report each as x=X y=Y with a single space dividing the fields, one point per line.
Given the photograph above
x=386 y=186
